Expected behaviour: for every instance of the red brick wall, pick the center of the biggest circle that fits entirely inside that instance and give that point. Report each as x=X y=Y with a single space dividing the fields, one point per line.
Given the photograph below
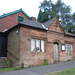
x=61 y=39
x=13 y=46
x=34 y=58
x=10 y=21
x=26 y=56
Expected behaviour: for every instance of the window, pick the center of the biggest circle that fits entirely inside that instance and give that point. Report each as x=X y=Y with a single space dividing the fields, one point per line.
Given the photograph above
x=37 y=45
x=32 y=45
x=69 y=48
x=20 y=18
x=62 y=47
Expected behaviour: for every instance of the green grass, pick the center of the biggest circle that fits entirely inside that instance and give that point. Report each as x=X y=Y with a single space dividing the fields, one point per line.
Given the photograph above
x=8 y=69
x=65 y=72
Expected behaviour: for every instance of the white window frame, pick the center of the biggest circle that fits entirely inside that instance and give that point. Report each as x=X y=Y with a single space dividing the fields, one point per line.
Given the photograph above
x=38 y=44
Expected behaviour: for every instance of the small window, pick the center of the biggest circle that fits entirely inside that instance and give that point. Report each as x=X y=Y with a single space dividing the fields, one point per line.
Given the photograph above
x=20 y=18
x=63 y=47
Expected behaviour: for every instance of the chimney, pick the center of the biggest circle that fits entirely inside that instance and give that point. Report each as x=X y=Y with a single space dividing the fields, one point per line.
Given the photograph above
x=33 y=18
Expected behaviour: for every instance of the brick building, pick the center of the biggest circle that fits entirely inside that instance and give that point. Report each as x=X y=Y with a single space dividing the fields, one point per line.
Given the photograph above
x=30 y=42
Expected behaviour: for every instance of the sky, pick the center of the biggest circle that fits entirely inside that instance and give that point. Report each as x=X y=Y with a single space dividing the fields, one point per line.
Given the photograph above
x=31 y=7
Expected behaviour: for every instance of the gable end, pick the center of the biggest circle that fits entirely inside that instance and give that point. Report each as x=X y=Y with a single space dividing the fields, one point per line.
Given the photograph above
x=20 y=10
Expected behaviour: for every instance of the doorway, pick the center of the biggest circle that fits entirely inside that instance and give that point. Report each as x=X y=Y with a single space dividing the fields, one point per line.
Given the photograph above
x=55 y=52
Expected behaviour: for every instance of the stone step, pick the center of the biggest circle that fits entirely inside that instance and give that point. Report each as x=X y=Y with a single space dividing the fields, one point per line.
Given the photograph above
x=3 y=62
x=3 y=66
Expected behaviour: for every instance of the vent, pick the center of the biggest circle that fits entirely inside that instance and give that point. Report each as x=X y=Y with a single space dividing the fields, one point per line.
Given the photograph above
x=20 y=19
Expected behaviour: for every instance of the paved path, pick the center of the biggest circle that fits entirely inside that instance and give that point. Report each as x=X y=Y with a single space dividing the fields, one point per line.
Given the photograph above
x=41 y=70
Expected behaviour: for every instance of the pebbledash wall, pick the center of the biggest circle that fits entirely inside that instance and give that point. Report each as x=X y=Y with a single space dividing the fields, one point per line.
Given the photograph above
x=20 y=44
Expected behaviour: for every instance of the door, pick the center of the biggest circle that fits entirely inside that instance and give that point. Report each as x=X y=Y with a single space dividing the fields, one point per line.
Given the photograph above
x=55 y=52
x=3 y=46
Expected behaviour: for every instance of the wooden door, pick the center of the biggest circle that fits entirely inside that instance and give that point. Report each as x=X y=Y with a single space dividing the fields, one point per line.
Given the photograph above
x=55 y=52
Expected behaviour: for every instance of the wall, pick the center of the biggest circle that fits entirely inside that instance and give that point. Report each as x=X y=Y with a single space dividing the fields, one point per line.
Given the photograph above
x=61 y=39
x=26 y=56
x=10 y=21
x=33 y=58
x=13 y=46
x=20 y=46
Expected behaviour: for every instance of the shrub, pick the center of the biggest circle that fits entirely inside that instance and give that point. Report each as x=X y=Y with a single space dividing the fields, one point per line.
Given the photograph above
x=10 y=63
x=69 y=60
x=45 y=61
x=22 y=65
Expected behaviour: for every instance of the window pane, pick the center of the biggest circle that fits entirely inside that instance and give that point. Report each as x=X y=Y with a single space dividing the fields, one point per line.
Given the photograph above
x=37 y=45
x=42 y=45
x=66 y=48
x=32 y=45
x=71 y=49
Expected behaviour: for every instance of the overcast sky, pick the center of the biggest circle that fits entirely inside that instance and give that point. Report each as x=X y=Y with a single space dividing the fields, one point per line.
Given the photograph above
x=29 y=6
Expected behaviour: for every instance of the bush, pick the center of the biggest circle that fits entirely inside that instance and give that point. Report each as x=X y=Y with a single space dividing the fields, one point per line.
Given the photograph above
x=10 y=63
x=45 y=61
x=22 y=65
x=69 y=60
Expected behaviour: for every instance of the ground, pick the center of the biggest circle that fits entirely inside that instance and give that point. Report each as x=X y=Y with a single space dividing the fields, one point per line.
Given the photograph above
x=41 y=70
x=65 y=72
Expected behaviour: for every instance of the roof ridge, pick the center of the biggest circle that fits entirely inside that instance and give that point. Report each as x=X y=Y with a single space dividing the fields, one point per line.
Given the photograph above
x=13 y=12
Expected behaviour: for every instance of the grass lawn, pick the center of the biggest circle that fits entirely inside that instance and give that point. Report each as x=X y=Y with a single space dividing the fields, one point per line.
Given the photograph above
x=65 y=72
x=9 y=69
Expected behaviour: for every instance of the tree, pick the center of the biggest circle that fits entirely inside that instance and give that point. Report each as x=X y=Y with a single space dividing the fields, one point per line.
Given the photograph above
x=63 y=11
x=45 y=10
x=48 y=10
x=73 y=18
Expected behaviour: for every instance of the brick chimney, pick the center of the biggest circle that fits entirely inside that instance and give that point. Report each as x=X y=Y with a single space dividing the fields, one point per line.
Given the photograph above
x=33 y=18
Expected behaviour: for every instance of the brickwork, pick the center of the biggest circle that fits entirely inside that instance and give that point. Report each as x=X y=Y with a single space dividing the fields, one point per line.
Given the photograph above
x=13 y=46
x=26 y=56
x=22 y=44
x=10 y=21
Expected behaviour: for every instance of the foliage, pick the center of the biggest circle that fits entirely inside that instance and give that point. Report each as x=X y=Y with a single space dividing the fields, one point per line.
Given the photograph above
x=49 y=10
x=69 y=28
x=10 y=63
x=65 y=72
x=45 y=61
x=8 y=69
x=22 y=65
x=69 y=60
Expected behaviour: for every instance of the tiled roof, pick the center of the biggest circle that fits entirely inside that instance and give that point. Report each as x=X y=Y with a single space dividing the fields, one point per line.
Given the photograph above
x=33 y=24
x=41 y=25
x=7 y=14
x=67 y=33
x=47 y=23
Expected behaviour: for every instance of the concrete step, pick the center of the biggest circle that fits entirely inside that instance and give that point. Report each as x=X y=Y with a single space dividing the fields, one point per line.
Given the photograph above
x=3 y=62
